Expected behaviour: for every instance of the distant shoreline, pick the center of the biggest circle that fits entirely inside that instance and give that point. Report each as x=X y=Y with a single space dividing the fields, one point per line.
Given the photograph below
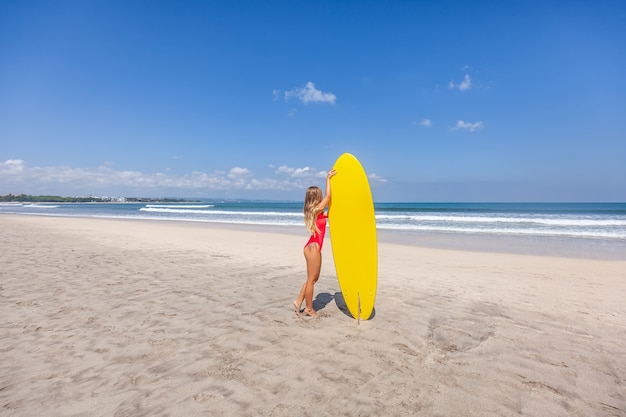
x=25 y=198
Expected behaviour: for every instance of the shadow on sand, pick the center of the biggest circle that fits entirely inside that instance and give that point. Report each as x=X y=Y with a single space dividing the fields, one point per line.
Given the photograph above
x=324 y=298
x=322 y=301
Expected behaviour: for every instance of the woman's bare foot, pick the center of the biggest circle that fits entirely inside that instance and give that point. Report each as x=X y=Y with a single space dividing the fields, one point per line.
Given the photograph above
x=297 y=307
x=311 y=313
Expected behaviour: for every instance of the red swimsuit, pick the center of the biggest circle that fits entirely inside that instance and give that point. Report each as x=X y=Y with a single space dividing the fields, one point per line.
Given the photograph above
x=319 y=237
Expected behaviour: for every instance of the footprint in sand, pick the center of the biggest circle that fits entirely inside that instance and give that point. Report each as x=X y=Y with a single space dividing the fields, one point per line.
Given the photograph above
x=405 y=349
x=204 y=397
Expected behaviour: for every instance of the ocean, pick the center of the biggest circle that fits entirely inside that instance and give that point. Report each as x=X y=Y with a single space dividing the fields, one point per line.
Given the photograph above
x=599 y=225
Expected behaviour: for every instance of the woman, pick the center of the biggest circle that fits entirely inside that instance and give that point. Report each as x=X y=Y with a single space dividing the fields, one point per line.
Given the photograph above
x=315 y=221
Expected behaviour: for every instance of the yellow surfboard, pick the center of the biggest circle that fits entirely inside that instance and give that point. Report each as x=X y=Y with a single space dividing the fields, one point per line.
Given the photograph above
x=353 y=236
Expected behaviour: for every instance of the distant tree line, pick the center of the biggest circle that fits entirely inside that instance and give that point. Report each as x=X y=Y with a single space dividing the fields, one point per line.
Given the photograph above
x=25 y=198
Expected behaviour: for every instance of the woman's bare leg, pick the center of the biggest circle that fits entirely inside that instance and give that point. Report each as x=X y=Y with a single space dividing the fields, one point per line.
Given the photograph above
x=313 y=258
x=297 y=303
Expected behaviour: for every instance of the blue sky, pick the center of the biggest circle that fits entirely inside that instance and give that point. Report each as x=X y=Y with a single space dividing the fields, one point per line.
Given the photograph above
x=440 y=100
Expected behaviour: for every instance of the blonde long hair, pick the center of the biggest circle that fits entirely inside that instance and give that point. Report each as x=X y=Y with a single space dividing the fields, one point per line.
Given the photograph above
x=312 y=199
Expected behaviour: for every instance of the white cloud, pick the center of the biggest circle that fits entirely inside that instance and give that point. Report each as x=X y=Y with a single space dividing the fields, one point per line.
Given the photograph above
x=376 y=178
x=306 y=172
x=302 y=173
x=466 y=125
x=238 y=172
x=283 y=169
x=426 y=123
x=17 y=177
x=464 y=85
x=11 y=166
x=309 y=94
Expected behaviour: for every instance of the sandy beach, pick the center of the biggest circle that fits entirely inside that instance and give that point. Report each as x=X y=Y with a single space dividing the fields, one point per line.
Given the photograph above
x=104 y=317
